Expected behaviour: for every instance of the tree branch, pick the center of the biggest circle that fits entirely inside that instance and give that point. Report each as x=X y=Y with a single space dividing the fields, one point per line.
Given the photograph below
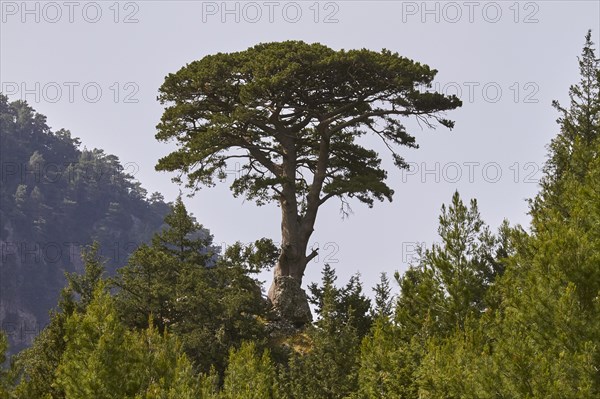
x=312 y=255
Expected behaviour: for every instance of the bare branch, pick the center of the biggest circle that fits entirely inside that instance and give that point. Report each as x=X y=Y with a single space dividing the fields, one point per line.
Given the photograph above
x=312 y=255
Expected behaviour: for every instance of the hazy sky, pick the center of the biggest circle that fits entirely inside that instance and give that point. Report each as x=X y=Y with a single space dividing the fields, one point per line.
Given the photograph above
x=95 y=68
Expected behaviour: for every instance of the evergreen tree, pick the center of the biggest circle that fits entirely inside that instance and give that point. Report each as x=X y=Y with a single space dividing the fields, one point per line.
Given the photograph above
x=452 y=279
x=383 y=299
x=149 y=282
x=329 y=369
x=84 y=285
x=102 y=359
x=388 y=364
x=250 y=376
x=449 y=284
x=4 y=383
x=211 y=305
x=463 y=264
x=349 y=304
x=184 y=238
x=541 y=340
x=296 y=136
x=572 y=149
x=36 y=366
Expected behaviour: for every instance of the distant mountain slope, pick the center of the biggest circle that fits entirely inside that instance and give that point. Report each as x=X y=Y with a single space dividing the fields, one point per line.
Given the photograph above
x=55 y=198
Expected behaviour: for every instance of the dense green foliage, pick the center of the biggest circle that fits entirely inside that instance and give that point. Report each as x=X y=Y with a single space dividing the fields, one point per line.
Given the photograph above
x=249 y=375
x=103 y=359
x=212 y=305
x=316 y=99
x=481 y=314
x=4 y=386
x=540 y=337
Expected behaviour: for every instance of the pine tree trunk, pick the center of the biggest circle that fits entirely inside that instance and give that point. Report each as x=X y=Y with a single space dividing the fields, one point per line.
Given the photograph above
x=286 y=295
x=288 y=299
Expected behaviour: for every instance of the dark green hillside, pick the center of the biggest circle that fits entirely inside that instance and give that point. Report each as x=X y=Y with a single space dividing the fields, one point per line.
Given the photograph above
x=54 y=198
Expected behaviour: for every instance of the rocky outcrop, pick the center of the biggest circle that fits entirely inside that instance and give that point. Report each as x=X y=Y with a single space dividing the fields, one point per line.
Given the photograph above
x=289 y=301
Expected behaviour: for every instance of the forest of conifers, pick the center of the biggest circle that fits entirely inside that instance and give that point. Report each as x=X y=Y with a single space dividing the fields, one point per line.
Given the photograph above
x=507 y=312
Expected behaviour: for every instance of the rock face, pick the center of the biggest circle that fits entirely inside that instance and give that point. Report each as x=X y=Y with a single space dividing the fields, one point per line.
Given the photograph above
x=289 y=301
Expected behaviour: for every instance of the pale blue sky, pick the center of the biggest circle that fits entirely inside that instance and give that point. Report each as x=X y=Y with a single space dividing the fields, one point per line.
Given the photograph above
x=525 y=50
